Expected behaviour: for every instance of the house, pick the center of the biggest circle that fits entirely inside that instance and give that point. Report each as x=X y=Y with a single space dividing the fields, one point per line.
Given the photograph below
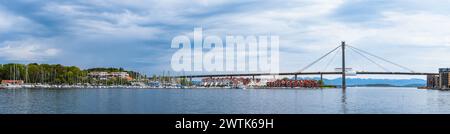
x=15 y=82
x=109 y=75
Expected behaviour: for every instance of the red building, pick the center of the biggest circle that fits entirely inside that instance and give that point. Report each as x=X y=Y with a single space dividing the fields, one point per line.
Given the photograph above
x=16 y=82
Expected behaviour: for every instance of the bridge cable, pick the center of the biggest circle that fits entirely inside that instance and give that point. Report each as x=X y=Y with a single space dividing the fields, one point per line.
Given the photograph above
x=360 y=66
x=378 y=57
x=385 y=69
x=332 y=59
x=303 y=69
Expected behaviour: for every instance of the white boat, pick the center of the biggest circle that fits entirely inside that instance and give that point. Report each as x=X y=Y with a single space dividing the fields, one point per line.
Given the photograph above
x=11 y=86
x=27 y=86
x=241 y=86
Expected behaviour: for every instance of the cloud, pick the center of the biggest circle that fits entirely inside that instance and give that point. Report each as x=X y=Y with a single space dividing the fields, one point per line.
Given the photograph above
x=85 y=21
x=26 y=50
x=421 y=28
x=137 y=33
x=14 y=23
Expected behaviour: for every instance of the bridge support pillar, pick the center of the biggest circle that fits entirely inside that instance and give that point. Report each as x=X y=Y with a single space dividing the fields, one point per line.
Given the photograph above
x=321 y=77
x=295 y=76
x=344 y=85
x=253 y=77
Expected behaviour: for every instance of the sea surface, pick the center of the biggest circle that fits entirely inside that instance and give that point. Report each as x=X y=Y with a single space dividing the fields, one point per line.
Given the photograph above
x=355 y=100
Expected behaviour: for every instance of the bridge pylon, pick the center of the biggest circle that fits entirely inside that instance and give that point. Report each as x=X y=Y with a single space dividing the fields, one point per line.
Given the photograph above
x=344 y=85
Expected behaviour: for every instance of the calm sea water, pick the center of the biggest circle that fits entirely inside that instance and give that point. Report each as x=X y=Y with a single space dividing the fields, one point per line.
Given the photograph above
x=224 y=101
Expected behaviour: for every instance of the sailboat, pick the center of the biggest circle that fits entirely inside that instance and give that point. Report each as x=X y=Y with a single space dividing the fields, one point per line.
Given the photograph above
x=241 y=85
x=13 y=84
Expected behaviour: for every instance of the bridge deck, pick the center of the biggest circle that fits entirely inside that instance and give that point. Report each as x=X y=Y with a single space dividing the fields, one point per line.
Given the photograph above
x=306 y=73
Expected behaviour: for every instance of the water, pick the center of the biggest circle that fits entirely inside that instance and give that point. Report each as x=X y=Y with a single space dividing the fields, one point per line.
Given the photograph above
x=224 y=101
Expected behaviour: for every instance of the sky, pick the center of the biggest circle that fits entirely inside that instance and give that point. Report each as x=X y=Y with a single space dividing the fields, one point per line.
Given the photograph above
x=136 y=34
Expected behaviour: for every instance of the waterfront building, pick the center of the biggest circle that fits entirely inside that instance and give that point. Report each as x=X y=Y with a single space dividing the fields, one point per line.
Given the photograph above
x=119 y=74
x=98 y=75
x=444 y=74
x=13 y=82
x=432 y=81
x=294 y=83
x=107 y=76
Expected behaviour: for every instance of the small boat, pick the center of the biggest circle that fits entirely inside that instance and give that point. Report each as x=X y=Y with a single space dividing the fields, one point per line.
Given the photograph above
x=11 y=86
x=241 y=86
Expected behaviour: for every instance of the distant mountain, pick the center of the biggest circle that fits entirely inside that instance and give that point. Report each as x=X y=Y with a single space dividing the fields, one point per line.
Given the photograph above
x=376 y=82
x=376 y=85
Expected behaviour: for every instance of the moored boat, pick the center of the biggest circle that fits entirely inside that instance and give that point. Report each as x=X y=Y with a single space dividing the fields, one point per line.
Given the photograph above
x=11 y=86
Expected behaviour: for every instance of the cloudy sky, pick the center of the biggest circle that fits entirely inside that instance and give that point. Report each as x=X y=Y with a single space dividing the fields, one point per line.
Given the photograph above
x=136 y=34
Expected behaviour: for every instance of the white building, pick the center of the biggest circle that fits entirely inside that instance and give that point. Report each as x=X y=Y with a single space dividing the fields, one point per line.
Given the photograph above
x=106 y=75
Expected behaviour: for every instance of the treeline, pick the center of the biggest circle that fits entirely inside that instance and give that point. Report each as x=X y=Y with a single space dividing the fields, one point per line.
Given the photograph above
x=56 y=74
x=110 y=69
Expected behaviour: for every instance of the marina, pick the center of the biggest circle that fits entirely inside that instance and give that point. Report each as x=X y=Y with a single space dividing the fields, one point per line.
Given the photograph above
x=59 y=76
x=207 y=66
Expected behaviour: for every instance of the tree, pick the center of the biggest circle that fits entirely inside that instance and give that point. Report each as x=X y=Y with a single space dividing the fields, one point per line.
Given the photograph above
x=320 y=82
x=154 y=78
x=59 y=74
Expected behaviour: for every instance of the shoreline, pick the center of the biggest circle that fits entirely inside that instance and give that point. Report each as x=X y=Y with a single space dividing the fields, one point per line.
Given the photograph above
x=150 y=87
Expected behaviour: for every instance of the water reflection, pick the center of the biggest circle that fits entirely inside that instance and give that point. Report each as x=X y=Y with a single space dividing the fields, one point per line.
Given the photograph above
x=344 y=101
x=226 y=101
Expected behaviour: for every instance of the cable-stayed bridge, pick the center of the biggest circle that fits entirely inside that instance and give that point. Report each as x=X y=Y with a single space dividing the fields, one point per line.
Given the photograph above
x=343 y=70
